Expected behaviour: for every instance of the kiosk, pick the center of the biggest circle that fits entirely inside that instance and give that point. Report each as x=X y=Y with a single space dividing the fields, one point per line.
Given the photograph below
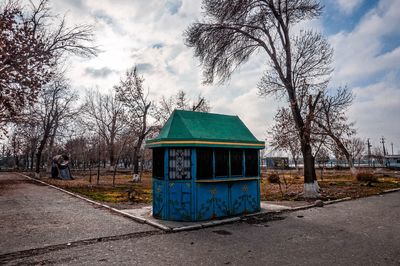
x=205 y=166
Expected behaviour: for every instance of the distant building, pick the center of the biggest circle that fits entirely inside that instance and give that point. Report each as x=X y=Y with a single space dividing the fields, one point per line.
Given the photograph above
x=392 y=161
x=275 y=162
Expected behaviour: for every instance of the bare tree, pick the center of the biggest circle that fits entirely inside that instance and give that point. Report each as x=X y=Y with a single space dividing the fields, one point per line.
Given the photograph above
x=330 y=127
x=32 y=42
x=179 y=101
x=54 y=107
x=322 y=157
x=201 y=104
x=131 y=94
x=356 y=148
x=105 y=114
x=284 y=135
x=299 y=64
x=332 y=121
x=378 y=155
x=29 y=133
x=15 y=143
x=61 y=39
x=25 y=63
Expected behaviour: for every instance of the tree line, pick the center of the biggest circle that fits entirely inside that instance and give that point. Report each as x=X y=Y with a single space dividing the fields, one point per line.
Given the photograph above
x=35 y=95
x=43 y=116
x=297 y=71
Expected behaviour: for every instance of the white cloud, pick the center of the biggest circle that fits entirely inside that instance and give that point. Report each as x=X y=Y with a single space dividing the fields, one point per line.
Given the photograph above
x=377 y=109
x=365 y=63
x=348 y=6
x=150 y=35
x=360 y=54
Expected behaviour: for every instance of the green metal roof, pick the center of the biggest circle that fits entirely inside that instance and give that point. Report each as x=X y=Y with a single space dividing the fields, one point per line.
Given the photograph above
x=187 y=128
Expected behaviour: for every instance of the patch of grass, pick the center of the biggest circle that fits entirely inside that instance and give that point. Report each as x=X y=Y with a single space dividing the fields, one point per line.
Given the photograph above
x=366 y=177
x=124 y=192
x=115 y=194
x=100 y=194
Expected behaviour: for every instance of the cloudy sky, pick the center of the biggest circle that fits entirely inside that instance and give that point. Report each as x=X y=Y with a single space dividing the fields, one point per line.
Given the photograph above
x=365 y=35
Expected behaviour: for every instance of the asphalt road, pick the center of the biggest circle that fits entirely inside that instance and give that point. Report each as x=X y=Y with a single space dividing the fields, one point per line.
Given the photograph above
x=33 y=216
x=358 y=232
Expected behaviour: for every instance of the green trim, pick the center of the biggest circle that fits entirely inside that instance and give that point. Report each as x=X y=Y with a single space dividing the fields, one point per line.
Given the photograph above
x=213 y=130
x=216 y=144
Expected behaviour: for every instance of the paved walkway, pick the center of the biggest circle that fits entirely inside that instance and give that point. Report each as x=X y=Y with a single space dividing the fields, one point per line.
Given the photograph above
x=145 y=213
x=34 y=216
x=358 y=232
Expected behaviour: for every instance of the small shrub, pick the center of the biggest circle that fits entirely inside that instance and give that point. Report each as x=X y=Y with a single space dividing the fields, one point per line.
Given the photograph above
x=366 y=177
x=273 y=178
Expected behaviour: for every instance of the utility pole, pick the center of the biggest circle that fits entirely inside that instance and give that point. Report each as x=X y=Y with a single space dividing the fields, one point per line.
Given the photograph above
x=392 y=148
x=98 y=160
x=369 y=152
x=383 y=145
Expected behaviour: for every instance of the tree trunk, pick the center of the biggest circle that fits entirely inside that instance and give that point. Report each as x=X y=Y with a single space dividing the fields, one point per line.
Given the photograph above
x=51 y=144
x=16 y=161
x=98 y=164
x=135 y=161
x=353 y=169
x=136 y=151
x=348 y=156
x=311 y=187
x=32 y=159
x=112 y=156
x=114 y=173
x=39 y=155
x=90 y=173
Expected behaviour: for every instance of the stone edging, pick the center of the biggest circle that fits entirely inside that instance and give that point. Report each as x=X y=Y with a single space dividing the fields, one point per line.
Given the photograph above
x=390 y=190
x=196 y=226
x=137 y=219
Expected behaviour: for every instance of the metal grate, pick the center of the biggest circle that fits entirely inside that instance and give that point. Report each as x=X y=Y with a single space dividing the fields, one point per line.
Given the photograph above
x=179 y=164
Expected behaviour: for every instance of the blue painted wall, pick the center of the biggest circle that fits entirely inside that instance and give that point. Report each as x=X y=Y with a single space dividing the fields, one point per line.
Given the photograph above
x=195 y=200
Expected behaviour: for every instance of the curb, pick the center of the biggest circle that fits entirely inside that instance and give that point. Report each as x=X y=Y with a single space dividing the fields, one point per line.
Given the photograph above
x=328 y=202
x=152 y=223
x=390 y=190
x=196 y=226
x=301 y=208
x=135 y=218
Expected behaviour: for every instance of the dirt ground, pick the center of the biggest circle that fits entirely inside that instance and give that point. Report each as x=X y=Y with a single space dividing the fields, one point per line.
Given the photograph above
x=124 y=194
x=335 y=184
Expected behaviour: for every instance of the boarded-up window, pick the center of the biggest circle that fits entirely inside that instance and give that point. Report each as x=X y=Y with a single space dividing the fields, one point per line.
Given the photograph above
x=158 y=162
x=251 y=159
x=179 y=164
x=221 y=162
x=204 y=163
x=236 y=162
